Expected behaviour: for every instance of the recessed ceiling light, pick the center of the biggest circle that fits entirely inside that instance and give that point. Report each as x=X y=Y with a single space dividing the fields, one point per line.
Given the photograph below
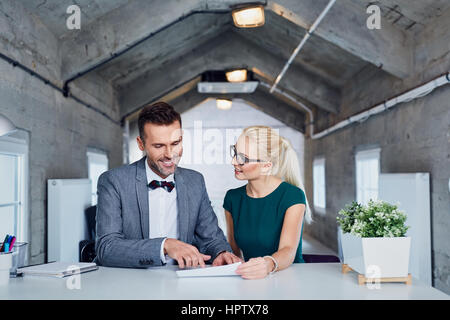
x=223 y=104
x=237 y=75
x=248 y=17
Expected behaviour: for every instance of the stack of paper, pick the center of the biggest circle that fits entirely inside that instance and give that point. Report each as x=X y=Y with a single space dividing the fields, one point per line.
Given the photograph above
x=58 y=269
x=209 y=271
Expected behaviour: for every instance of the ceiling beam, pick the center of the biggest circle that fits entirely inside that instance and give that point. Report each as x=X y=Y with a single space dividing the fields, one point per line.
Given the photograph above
x=228 y=50
x=389 y=48
x=124 y=26
x=345 y=26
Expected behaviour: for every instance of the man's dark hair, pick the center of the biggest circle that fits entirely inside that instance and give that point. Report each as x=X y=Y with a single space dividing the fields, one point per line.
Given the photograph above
x=158 y=113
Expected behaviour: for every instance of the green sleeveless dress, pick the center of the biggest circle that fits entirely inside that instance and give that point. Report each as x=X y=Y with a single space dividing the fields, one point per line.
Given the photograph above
x=258 y=222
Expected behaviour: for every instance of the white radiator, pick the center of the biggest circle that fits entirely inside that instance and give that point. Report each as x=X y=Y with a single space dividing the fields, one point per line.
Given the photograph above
x=67 y=200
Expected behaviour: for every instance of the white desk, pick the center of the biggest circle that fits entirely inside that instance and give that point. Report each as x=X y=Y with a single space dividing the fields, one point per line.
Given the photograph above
x=299 y=281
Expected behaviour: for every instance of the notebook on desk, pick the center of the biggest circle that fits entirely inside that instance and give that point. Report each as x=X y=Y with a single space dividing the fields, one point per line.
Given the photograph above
x=58 y=269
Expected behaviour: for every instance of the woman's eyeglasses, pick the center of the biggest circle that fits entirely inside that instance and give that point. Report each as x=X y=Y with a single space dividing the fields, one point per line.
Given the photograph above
x=241 y=159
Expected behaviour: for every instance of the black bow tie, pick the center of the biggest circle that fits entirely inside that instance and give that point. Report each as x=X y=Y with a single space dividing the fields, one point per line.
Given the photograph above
x=168 y=185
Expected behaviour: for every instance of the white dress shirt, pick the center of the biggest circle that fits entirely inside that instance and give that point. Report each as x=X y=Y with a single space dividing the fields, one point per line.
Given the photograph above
x=163 y=219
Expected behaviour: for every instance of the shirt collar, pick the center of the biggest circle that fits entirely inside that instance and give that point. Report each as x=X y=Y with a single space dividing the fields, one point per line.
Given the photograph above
x=153 y=176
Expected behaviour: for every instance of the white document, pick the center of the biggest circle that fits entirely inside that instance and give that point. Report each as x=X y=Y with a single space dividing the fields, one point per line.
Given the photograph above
x=209 y=271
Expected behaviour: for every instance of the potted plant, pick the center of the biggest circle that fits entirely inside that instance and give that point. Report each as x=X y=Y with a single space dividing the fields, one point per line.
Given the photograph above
x=373 y=239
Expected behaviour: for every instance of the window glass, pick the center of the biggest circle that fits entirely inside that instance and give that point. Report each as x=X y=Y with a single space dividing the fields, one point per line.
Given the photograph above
x=97 y=164
x=367 y=173
x=319 y=183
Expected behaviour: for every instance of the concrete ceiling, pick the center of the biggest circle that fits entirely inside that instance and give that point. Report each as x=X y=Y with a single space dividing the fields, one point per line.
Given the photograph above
x=225 y=51
x=53 y=12
x=409 y=15
x=178 y=40
x=165 y=47
x=280 y=37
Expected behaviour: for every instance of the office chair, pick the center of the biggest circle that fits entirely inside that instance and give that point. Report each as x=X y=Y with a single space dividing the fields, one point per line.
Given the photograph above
x=320 y=258
x=87 y=247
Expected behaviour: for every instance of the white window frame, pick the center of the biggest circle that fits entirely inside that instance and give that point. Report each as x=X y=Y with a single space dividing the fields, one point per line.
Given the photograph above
x=319 y=164
x=98 y=157
x=371 y=154
x=19 y=148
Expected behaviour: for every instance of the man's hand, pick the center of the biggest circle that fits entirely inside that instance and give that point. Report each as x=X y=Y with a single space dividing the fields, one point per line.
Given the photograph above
x=226 y=258
x=185 y=254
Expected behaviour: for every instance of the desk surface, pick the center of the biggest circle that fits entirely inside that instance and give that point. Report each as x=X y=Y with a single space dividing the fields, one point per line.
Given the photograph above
x=299 y=281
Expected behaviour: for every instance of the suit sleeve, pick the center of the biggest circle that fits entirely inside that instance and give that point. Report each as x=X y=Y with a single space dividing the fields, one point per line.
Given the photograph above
x=111 y=246
x=208 y=236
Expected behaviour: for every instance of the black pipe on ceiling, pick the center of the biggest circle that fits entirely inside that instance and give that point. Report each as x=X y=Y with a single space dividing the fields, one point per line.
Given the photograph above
x=46 y=81
x=127 y=48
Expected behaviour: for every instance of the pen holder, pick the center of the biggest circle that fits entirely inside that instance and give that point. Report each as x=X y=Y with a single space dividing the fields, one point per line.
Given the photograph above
x=19 y=253
x=5 y=266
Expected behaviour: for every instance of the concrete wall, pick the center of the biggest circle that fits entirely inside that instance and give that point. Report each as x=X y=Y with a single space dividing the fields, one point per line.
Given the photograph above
x=59 y=130
x=413 y=137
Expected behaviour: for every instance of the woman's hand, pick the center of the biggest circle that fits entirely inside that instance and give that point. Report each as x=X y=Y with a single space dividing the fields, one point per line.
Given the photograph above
x=255 y=268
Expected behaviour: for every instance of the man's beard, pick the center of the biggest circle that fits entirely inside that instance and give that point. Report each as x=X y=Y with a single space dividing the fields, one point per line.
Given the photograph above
x=160 y=169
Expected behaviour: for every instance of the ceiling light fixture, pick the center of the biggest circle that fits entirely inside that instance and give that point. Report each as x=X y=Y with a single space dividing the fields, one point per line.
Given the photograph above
x=224 y=104
x=249 y=16
x=237 y=75
x=218 y=81
x=227 y=87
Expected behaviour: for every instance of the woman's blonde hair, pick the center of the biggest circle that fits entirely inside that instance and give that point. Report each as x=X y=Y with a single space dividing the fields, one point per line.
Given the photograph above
x=279 y=151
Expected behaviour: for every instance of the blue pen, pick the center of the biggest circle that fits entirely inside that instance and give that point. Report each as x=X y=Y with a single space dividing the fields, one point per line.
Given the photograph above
x=9 y=243
x=7 y=247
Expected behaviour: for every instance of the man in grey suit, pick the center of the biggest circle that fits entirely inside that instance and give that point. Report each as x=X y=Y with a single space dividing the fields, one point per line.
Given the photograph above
x=143 y=221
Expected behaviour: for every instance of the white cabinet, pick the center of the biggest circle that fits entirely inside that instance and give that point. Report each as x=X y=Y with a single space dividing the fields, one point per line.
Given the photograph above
x=411 y=192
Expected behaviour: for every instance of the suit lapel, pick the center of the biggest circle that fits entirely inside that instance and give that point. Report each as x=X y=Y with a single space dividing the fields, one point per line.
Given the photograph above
x=142 y=196
x=182 y=205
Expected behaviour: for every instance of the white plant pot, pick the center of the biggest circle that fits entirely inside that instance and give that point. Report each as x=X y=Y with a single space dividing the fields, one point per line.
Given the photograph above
x=376 y=257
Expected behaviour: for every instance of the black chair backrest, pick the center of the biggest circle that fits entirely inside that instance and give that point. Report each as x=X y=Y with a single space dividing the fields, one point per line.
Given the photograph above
x=90 y=214
x=320 y=258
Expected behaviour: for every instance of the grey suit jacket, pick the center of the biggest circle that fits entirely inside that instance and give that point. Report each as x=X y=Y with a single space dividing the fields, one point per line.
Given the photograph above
x=122 y=224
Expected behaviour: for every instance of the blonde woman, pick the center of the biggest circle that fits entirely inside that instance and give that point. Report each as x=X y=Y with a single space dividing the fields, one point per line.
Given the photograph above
x=265 y=217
